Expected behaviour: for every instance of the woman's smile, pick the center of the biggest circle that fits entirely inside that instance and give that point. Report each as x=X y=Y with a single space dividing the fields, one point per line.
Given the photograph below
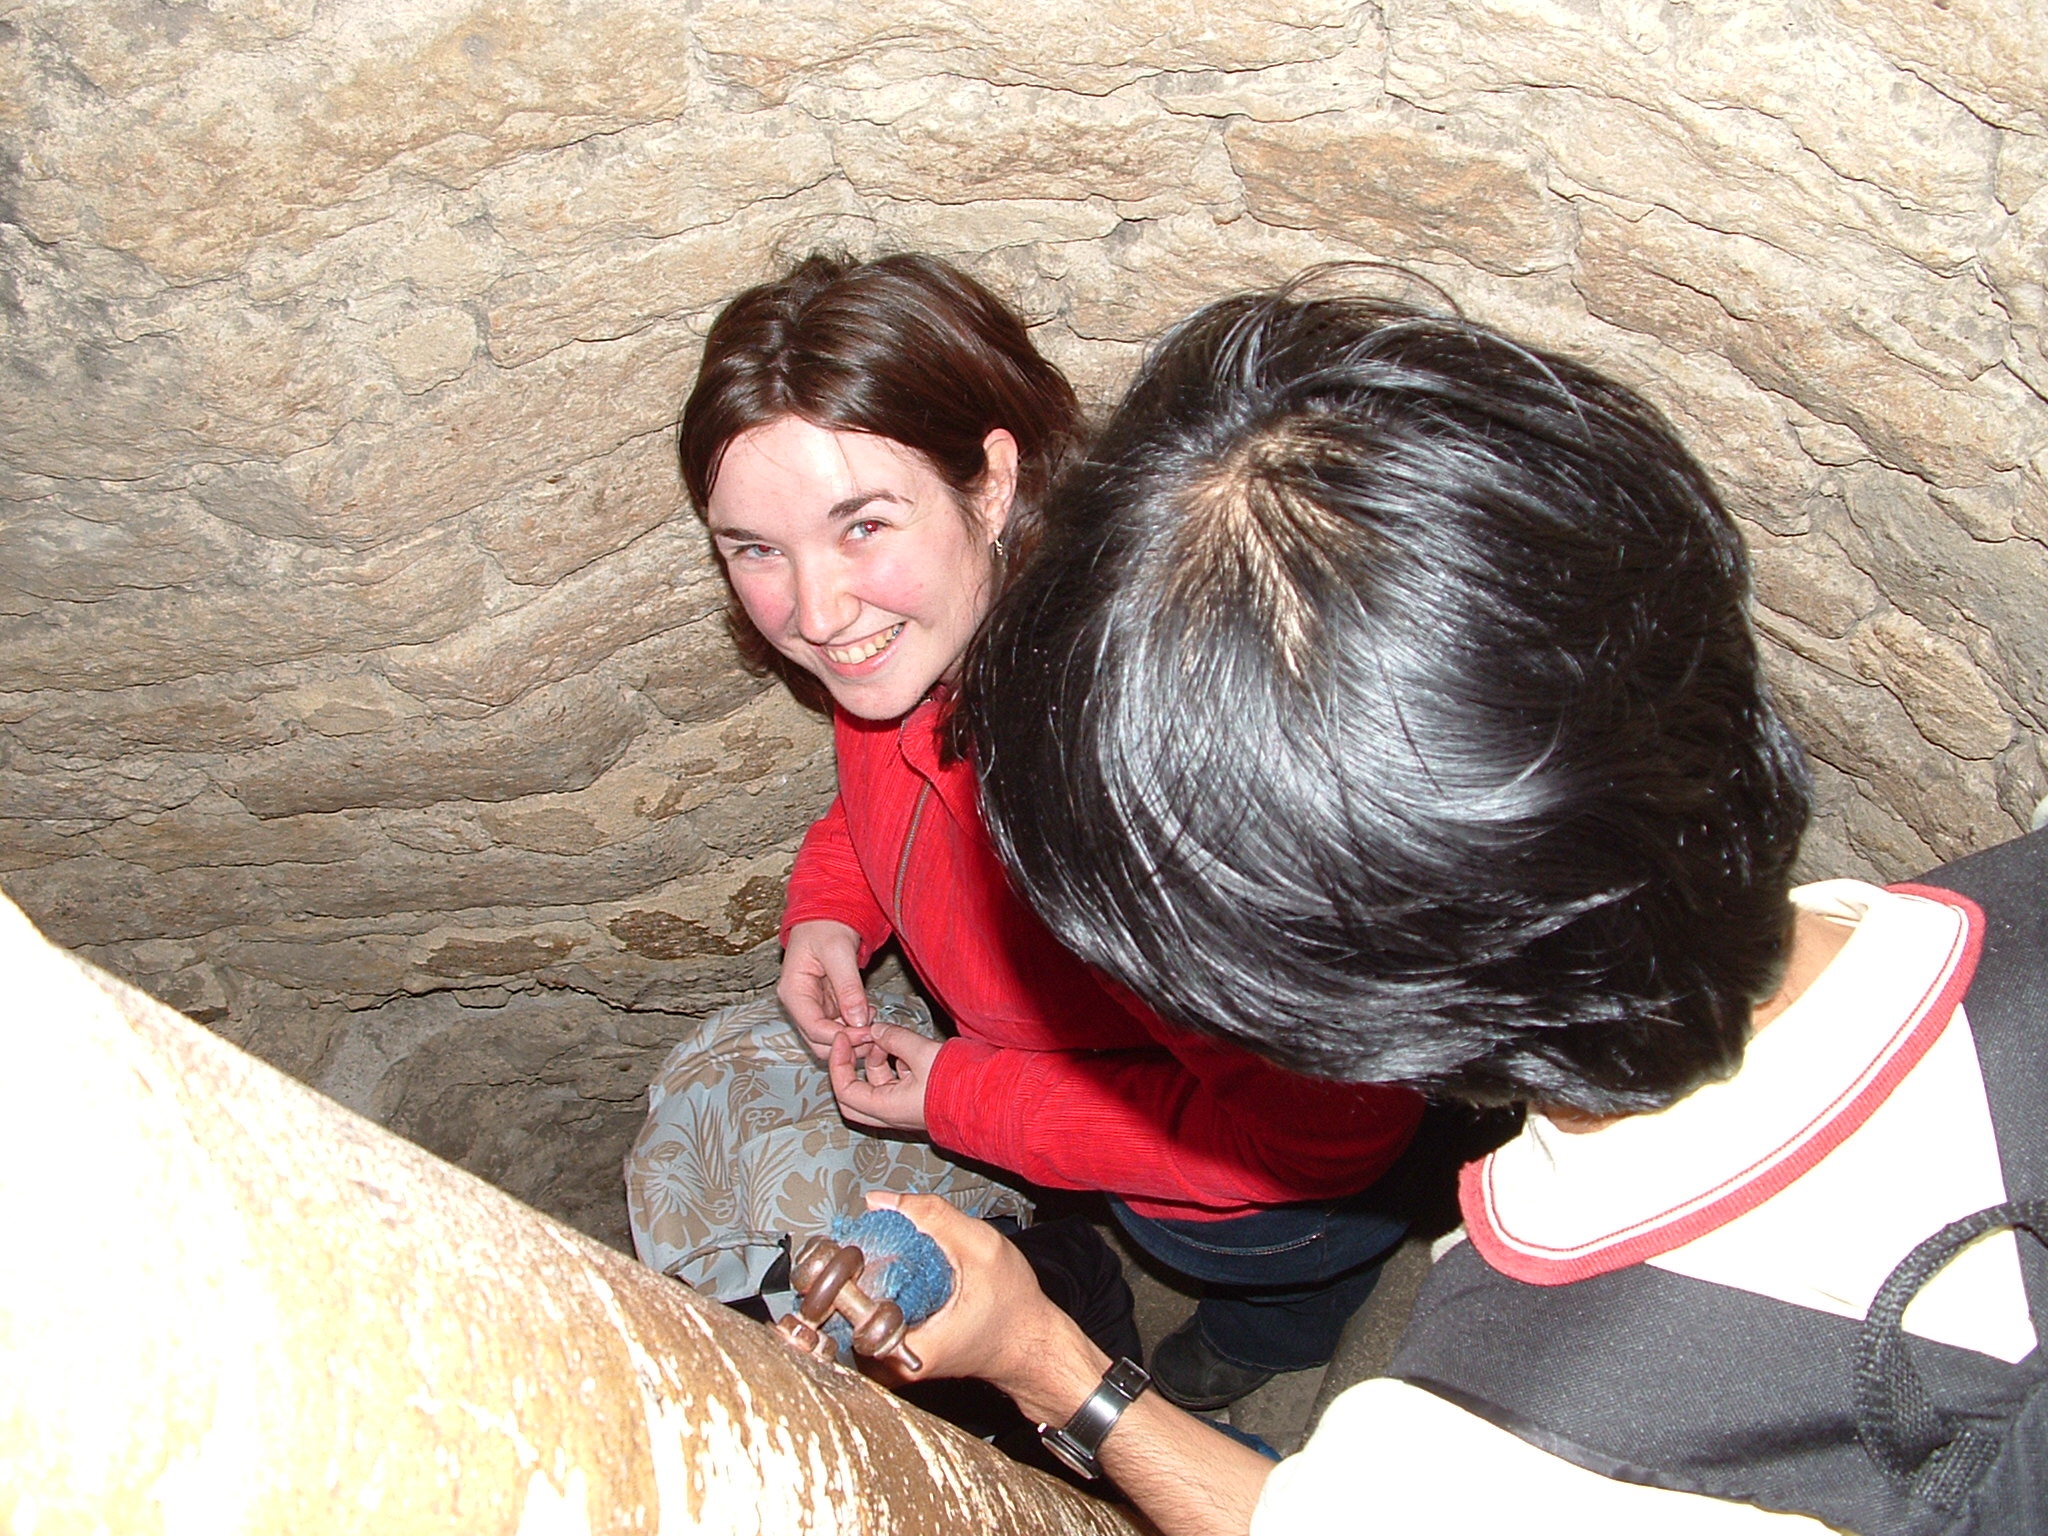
x=863 y=650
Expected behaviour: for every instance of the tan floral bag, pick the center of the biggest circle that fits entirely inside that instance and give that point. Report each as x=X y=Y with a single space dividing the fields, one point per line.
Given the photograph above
x=744 y=1144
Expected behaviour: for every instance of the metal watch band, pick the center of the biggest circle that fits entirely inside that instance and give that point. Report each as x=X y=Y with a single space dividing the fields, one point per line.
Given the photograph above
x=1078 y=1441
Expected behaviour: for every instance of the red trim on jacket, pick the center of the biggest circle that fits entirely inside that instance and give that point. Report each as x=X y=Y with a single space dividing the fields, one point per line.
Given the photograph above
x=1053 y=1075
x=1920 y=1025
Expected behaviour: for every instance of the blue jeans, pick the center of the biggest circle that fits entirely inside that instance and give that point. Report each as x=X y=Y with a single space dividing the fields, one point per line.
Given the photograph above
x=1279 y=1284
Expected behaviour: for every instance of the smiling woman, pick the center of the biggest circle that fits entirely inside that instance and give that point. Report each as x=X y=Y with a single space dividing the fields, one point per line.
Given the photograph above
x=872 y=445
x=855 y=560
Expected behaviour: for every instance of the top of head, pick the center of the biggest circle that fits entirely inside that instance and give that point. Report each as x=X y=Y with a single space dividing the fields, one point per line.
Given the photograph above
x=1385 y=700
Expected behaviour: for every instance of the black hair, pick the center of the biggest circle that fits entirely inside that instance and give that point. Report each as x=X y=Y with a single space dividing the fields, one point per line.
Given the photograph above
x=1384 y=699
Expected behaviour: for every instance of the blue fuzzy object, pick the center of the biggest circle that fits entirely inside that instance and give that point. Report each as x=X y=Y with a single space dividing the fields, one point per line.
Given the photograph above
x=904 y=1266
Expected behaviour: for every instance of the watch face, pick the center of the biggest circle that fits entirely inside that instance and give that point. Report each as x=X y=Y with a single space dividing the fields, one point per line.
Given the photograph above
x=1062 y=1445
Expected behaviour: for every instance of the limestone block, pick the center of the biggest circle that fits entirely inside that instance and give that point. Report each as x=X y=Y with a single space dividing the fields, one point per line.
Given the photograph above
x=541 y=1097
x=619 y=287
x=1863 y=731
x=1725 y=73
x=2017 y=263
x=772 y=755
x=639 y=793
x=1843 y=345
x=561 y=737
x=471 y=955
x=1989 y=514
x=967 y=233
x=690 y=674
x=1934 y=678
x=1986 y=595
x=68 y=789
x=207 y=990
x=328 y=961
x=649 y=183
x=1825 y=852
x=138 y=385
x=703 y=982
x=213 y=830
x=432 y=349
x=545 y=824
x=729 y=915
x=660 y=581
x=1885 y=839
x=1069 y=44
x=1132 y=287
x=1349 y=81
x=95 y=900
x=548 y=528
x=277 y=1024
x=1808 y=578
x=258 y=496
x=344 y=706
x=28 y=842
x=269 y=602
x=1744 y=435
x=1749 y=171
x=1853 y=836
x=203 y=714
x=1099 y=368
x=968 y=141
x=82 y=546
x=190 y=161
x=482 y=437
x=1403 y=185
x=94 y=403
x=1986 y=53
x=2022 y=169
x=436 y=243
x=450 y=827
x=752 y=820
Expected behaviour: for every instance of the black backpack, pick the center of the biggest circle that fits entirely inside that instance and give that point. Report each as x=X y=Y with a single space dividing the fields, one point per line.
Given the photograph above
x=1657 y=1378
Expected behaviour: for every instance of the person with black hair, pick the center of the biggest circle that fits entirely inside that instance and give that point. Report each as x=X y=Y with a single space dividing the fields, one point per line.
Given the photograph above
x=1385 y=700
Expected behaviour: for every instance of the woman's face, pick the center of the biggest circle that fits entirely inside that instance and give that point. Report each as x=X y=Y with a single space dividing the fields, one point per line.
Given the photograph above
x=854 y=559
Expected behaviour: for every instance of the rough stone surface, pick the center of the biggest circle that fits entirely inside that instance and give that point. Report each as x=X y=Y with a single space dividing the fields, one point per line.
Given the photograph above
x=364 y=685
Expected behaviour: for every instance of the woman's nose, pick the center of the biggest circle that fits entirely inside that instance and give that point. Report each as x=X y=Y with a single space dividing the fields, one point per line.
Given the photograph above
x=825 y=605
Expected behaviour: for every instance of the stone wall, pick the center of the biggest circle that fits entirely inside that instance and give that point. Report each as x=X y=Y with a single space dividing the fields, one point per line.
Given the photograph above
x=364 y=687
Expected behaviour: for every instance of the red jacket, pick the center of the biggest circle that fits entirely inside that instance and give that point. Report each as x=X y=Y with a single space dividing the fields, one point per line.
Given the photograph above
x=1054 y=1075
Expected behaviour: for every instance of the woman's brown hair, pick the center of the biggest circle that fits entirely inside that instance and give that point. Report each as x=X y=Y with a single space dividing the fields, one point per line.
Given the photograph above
x=905 y=347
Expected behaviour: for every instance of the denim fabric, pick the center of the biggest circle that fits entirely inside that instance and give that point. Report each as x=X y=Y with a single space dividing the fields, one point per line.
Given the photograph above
x=1279 y=1284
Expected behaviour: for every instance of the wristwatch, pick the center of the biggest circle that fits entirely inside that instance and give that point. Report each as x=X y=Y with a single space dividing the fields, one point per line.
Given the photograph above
x=1078 y=1441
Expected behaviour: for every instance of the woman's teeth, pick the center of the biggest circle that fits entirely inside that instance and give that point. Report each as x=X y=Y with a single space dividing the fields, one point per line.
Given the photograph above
x=873 y=646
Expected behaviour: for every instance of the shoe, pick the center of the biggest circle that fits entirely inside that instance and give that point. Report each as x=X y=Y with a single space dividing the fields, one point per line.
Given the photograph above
x=1190 y=1374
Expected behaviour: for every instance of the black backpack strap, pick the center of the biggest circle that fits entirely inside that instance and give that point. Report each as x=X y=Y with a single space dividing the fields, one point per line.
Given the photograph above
x=1930 y=1454
x=2007 y=1007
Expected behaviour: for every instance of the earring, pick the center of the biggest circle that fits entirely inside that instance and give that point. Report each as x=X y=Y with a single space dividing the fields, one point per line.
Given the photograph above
x=995 y=547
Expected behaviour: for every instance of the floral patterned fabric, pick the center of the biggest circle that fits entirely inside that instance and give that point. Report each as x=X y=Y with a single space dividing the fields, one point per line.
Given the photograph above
x=744 y=1144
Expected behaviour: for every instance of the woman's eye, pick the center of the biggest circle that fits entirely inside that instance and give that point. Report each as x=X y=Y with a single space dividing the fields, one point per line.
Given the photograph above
x=750 y=551
x=866 y=528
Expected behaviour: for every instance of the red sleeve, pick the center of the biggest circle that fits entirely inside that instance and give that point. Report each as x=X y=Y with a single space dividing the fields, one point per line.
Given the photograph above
x=1208 y=1126
x=828 y=882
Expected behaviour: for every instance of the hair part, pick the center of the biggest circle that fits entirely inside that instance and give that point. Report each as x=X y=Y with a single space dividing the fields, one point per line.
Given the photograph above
x=1386 y=701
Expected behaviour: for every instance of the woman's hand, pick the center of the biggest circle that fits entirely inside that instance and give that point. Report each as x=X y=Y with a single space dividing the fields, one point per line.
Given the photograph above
x=820 y=987
x=898 y=1064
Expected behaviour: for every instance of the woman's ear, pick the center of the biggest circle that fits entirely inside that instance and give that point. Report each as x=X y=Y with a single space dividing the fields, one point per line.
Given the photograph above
x=998 y=481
